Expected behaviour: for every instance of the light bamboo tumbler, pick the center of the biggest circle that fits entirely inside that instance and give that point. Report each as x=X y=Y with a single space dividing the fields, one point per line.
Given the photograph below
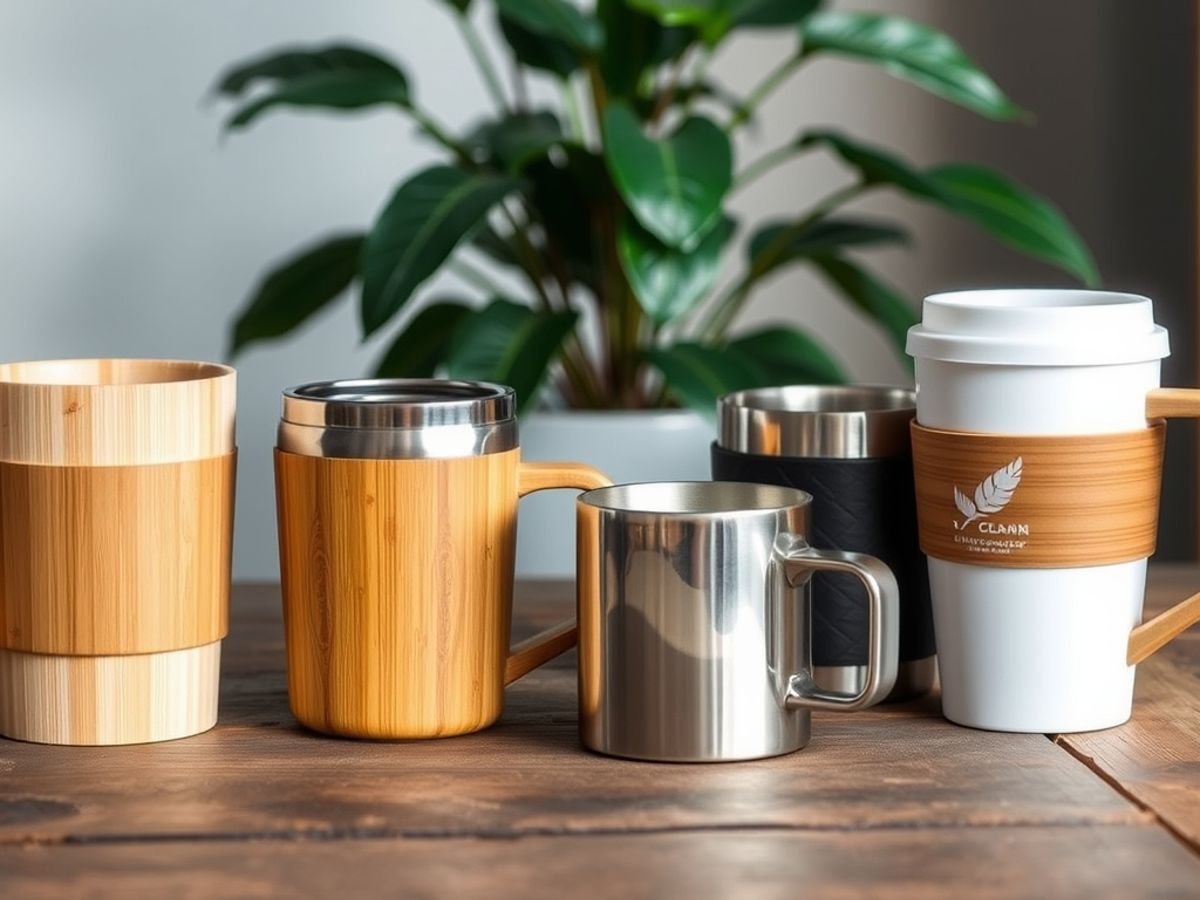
x=397 y=535
x=116 y=524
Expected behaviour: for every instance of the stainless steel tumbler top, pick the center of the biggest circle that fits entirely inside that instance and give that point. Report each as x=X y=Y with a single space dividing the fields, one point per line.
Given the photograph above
x=398 y=418
x=849 y=447
x=694 y=621
x=831 y=421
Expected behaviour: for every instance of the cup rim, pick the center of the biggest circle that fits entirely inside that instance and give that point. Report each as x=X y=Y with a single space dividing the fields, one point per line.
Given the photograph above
x=124 y=372
x=728 y=498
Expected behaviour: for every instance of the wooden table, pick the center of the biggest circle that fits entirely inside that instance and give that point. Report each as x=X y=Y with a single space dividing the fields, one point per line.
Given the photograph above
x=894 y=801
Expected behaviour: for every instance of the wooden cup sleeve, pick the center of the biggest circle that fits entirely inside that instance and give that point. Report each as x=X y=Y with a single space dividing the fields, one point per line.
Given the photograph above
x=1037 y=501
x=115 y=560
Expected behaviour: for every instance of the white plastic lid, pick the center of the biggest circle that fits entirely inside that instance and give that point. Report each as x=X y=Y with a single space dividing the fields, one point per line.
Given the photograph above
x=1021 y=327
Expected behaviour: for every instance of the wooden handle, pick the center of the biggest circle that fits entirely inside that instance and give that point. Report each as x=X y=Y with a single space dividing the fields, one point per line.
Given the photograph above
x=1151 y=636
x=539 y=649
x=1173 y=403
x=541 y=476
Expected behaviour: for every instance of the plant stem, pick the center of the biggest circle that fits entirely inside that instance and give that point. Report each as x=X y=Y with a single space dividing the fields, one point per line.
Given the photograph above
x=482 y=61
x=570 y=100
x=477 y=278
x=725 y=310
x=763 y=165
x=667 y=94
x=531 y=265
x=764 y=89
x=599 y=95
x=435 y=131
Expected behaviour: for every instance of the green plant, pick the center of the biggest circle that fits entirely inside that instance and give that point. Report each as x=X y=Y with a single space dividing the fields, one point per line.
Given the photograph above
x=621 y=207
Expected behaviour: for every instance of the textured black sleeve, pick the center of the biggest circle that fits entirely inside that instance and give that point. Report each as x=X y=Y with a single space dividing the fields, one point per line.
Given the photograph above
x=864 y=505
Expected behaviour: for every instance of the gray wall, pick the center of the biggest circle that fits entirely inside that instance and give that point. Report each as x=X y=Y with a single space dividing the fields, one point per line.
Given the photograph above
x=129 y=228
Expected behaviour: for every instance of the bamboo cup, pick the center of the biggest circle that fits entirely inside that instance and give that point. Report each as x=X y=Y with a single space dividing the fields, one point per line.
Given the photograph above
x=116 y=521
x=397 y=505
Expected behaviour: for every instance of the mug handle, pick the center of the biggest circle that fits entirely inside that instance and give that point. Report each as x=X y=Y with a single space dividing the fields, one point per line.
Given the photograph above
x=1149 y=637
x=541 y=476
x=798 y=562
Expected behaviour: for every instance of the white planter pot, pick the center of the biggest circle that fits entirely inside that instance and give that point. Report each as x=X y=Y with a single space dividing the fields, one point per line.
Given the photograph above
x=660 y=445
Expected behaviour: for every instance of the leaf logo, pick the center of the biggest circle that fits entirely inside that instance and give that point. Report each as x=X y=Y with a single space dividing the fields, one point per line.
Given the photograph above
x=991 y=495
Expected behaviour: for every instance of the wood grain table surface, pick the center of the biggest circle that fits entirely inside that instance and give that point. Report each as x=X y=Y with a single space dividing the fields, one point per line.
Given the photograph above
x=891 y=802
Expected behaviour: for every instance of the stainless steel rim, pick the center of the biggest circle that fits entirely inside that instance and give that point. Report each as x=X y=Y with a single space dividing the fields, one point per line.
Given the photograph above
x=829 y=421
x=398 y=418
x=398 y=403
x=694 y=498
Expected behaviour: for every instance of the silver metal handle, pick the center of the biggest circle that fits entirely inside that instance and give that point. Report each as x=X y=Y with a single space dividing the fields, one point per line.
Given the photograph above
x=799 y=561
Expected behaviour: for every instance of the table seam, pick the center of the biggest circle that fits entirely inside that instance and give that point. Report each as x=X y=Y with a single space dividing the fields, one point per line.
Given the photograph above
x=1089 y=763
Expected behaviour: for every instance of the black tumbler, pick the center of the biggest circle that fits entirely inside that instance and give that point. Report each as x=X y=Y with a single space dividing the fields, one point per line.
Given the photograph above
x=850 y=448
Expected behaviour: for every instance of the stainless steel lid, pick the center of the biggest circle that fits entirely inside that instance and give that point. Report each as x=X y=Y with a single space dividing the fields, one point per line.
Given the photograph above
x=398 y=418
x=831 y=421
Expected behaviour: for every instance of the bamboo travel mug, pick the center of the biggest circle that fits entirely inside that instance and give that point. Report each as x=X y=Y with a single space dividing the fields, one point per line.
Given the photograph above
x=116 y=522
x=397 y=504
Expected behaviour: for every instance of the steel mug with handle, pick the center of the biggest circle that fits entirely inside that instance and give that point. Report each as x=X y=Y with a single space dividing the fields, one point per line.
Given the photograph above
x=694 y=613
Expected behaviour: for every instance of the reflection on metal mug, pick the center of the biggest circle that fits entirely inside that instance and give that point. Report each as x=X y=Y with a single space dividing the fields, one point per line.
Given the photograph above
x=695 y=618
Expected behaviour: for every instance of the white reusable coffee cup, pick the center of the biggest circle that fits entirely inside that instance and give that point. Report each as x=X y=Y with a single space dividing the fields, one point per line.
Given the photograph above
x=1038 y=649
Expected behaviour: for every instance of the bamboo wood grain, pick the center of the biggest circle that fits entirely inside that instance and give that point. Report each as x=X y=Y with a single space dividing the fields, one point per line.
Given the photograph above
x=116 y=517
x=115 y=412
x=1084 y=499
x=539 y=476
x=397 y=589
x=108 y=560
x=1173 y=403
x=539 y=649
x=90 y=700
x=1152 y=636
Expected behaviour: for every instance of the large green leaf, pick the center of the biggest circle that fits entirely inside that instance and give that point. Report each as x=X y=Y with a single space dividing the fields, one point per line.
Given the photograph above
x=537 y=51
x=421 y=346
x=461 y=6
x=778 y=243
x=557 y=19
x=790 y=356
x=508 y=343
x=297 y=289
x=678 y=12
x=634 y=42
x=669 y=282
x=514 y=140
x=290 y=63
x=344 y=78
x=675 y=185
x=875 y=298
x=418 y=229
x=1015 y=216
x=696 y=374
x=716 y=18
x=769 y=13
x=909 y=50
x=1000 y=206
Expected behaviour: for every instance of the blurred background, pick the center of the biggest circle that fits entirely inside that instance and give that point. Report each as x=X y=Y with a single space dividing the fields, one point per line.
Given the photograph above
x=130 y=227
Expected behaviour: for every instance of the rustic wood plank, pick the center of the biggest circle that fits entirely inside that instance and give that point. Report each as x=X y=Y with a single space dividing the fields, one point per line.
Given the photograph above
x=258 y=774
x=1154 y=759
x=1098 y=862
